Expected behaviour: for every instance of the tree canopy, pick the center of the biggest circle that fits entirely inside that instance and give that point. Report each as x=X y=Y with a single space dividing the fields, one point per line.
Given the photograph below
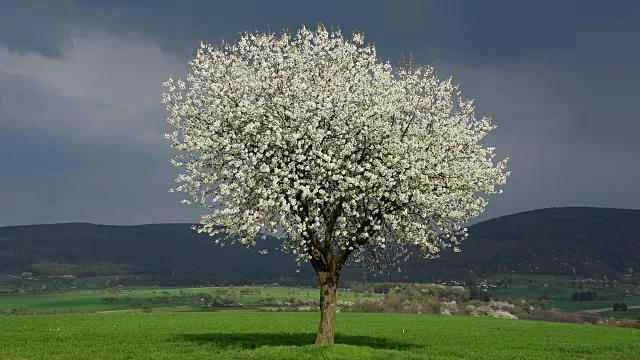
x=314 y=138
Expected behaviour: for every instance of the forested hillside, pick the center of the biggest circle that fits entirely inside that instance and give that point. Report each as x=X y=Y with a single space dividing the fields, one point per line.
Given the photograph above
x=583 y=241
x=89 y=250
x=590 y=242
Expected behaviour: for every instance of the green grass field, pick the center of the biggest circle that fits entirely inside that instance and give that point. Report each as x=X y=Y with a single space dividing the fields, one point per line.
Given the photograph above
x=559 y=290
x=598 y=304
x=88 y=300
x=632 y=314
x=254 y=335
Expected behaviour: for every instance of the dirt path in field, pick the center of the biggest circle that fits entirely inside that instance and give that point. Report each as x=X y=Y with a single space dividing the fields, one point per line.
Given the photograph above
x=155 y=310
x=610 y=308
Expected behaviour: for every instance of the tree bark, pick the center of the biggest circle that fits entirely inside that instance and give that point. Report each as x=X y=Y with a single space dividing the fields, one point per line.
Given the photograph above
x=328 y=289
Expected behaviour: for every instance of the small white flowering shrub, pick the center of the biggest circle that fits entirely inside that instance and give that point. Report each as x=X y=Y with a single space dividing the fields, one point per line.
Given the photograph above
x=483 y=310
x=499 y=305
x=504 y=315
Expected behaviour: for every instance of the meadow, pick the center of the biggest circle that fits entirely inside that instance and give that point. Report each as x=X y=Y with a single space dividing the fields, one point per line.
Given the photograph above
x=170 y=323
x=59 y=298
x=259 y=335
x=631 y=314
x=252 y=298
x=559 y=289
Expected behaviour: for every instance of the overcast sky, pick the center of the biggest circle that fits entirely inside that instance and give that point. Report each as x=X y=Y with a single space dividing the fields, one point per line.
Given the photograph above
x=81 y=121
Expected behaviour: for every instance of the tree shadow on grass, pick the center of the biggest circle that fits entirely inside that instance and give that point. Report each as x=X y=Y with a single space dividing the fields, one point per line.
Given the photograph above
x=256 y=340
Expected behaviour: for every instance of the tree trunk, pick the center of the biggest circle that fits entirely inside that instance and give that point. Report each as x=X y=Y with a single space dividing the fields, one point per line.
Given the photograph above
x=327 y=327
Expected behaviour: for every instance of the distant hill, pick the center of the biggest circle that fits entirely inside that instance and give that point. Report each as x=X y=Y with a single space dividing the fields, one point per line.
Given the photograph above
x=88 y=250
x=584 y=241
x=562 y=241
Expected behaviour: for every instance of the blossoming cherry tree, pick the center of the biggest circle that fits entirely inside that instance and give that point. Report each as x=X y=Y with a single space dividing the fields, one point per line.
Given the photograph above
x=312 y=139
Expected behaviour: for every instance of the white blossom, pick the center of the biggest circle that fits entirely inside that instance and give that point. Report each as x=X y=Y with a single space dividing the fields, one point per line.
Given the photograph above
x=313 y=139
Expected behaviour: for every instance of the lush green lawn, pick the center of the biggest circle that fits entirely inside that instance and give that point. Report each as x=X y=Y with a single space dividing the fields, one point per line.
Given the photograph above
x=251 y=335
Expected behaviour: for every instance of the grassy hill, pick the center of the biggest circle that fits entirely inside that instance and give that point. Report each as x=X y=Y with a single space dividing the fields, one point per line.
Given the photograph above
x=589 y=242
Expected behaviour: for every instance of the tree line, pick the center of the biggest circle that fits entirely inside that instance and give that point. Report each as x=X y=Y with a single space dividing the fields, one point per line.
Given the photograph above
x=584 y=296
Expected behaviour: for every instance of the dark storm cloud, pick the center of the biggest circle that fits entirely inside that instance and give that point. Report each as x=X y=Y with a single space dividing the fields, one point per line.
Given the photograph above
x=64 y=178
x=53 y=169
x=57 y=176
x=82 y=140
x=34 y=26
x=177 y=28
x=505 y=31
x=598 y=84
x=470 y=32
x=81 y=120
